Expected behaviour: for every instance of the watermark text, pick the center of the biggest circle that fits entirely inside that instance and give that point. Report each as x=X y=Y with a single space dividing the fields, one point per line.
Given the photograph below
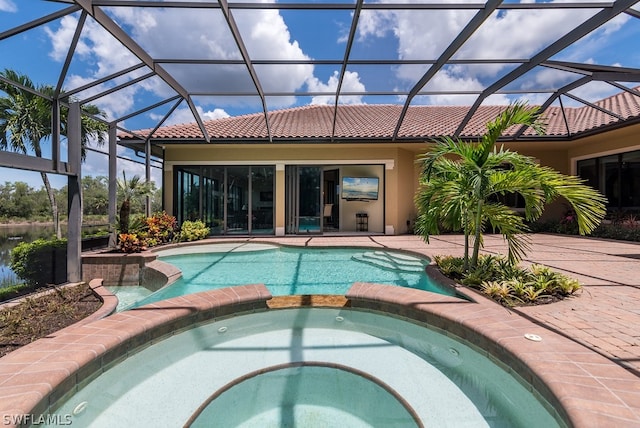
x=35 y=420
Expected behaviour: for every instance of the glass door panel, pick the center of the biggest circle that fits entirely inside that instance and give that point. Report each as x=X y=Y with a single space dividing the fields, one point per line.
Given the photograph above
x=303 y=187
x=291 y=199
x=213 y=199
x=238 y=199
x=610 y=179
x=630 y=182
x=262 y=178
x=188 y=186
x=309 y=195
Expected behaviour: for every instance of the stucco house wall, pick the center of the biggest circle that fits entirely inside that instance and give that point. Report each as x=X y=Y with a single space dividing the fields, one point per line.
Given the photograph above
x=397 y=164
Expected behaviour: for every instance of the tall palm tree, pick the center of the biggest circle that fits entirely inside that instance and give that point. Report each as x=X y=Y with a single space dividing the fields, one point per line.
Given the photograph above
x=26 y=121
x=128 y=190
x=461 y=184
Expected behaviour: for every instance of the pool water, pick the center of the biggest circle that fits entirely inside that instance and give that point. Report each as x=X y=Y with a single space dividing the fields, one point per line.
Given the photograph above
x=441 y=381
x=308 y=395
x=290 y=270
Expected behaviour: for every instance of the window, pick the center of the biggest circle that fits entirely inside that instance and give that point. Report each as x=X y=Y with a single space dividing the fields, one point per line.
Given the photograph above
x=616 y=176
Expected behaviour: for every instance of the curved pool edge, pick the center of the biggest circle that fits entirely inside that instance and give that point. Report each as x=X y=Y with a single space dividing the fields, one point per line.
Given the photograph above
x=306 y=364
x=574 y=380
x=565 y=373
x=34 y=378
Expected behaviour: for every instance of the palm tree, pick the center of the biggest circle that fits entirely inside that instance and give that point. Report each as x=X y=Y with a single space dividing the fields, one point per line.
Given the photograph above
x=461 y=184
x=128 y=190
x=26 y=120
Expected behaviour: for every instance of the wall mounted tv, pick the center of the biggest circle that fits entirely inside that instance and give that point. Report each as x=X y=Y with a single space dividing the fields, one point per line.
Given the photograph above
x=360 y=188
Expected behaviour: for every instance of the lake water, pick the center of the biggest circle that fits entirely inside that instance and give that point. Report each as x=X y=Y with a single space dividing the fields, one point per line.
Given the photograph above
x=12 y=235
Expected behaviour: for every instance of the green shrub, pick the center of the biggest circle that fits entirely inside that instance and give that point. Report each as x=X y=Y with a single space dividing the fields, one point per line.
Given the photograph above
x=507 y=283
x=620 y=226
x=11 y=291
x=40 y=262
x=193 y=230
x=620 y=232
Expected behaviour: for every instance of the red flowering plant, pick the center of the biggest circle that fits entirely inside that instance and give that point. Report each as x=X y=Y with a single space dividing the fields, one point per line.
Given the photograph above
x=160 y=229
x=569 y=222
x=130 y=243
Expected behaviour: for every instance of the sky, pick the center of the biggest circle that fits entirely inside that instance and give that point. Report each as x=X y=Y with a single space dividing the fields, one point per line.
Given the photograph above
x=297 y=34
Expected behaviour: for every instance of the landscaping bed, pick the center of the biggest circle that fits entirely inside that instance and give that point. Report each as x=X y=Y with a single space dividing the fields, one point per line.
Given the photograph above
x=39 y=316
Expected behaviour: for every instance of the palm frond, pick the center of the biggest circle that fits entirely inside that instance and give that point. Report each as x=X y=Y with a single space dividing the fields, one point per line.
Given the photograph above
x=511 y=226
x=517 y=113
x=588 y=204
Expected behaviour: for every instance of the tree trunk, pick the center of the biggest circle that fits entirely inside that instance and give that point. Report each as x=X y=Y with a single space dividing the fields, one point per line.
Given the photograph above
x=125 y=210
x=466 y=242
x=54 y=206
x=476 y=242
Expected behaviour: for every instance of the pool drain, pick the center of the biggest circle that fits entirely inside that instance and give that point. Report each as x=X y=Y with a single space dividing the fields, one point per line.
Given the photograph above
x=533 y=337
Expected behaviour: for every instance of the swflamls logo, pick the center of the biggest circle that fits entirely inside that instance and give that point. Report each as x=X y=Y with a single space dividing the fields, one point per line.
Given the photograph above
x=31 y=419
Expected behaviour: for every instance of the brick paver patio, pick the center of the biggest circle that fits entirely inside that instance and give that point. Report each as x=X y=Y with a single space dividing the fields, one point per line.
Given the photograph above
x=605 y=315
x=594 y=389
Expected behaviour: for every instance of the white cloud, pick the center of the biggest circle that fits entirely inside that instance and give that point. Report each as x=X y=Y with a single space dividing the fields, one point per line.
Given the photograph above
x=550 y=78
x=508 y=34
x=187 y=34
x=375 y=23
x=184 y=115
x=615 y=24
x=8 y=6
x=202 y=33
x=594 y=91
x=114 y=105
x=61 y=39
x=350 y=83
x=522 y=33
x=97 y=164
x=107 y=56
x=213 y=114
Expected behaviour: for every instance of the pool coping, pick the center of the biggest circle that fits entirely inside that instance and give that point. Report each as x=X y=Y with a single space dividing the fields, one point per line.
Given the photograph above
x=581 y=384
x=37 y=376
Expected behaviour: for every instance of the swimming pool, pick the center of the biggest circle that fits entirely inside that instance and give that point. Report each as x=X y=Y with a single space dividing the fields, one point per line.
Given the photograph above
x=285 y=270
x=429 y=378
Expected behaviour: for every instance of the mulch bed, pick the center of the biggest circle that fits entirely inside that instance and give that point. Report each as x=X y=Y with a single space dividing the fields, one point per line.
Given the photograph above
x=40 y=316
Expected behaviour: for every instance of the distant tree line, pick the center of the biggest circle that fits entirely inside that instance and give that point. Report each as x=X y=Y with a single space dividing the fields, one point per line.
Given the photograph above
x=21 y=202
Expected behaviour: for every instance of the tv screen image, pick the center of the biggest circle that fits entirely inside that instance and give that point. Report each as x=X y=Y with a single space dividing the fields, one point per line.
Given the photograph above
x=361 y=188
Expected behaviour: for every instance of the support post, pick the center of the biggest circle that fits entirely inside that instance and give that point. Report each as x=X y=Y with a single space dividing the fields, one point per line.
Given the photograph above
x=147 y=164
x=74 y=230
x=55 y=134
x=113 y=185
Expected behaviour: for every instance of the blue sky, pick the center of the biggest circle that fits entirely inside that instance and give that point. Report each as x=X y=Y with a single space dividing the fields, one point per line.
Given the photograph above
x=298 y=34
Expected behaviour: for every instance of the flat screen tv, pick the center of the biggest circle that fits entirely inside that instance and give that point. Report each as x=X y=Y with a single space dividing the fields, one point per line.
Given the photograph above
x=360 y=188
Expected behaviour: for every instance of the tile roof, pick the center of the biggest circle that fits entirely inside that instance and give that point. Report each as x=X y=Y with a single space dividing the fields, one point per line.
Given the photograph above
x=378 y=122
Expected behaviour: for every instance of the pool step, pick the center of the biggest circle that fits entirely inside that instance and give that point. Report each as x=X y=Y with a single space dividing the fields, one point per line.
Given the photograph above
x=395 y=262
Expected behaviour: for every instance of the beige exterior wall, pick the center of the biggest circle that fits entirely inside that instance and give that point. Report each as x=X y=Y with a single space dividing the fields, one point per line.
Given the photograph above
x=563 y=156
x=617 y=141
x=394 y=165
x=397 y=169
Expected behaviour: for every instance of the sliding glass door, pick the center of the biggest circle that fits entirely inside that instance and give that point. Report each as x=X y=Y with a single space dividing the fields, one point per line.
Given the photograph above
x=230 y=200
x=303 y=199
